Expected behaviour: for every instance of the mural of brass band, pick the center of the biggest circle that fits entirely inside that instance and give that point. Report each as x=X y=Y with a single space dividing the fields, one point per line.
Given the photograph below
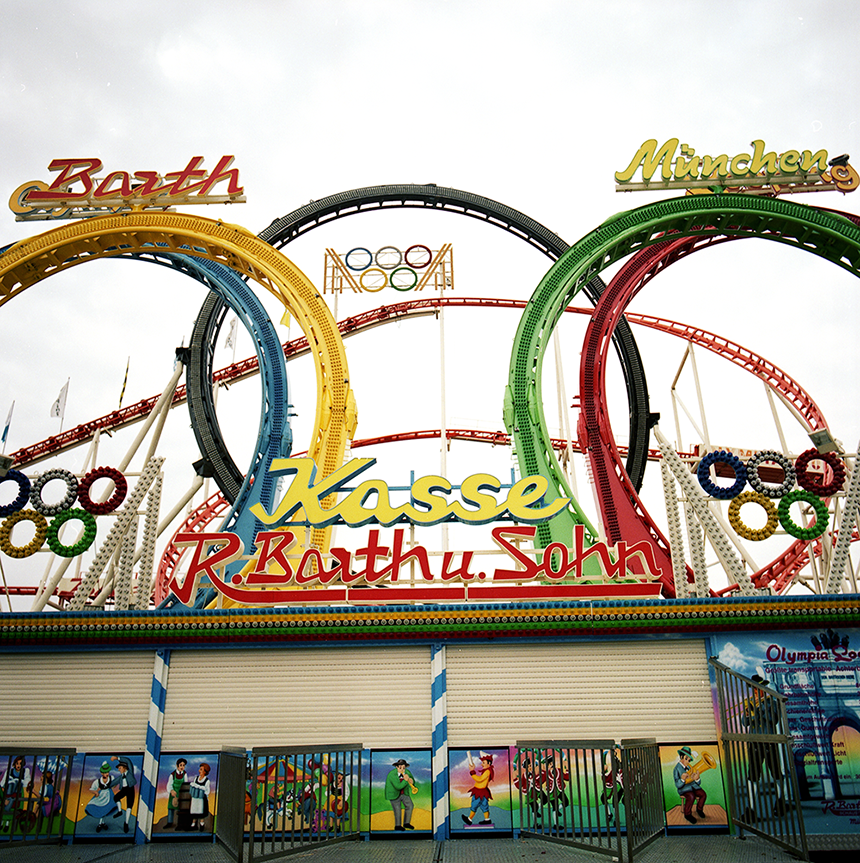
x=821 y=233
x=28 y=262
x=367 y=199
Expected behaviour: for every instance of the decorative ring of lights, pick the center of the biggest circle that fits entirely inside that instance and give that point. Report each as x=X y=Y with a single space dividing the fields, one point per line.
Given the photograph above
x=412 y=264
x=363 y=266
x=71 y=494
x=821 y=515
x=718 y=491
x=86 y=539
x=384 y=253
x=35 y=543
x=373 y=288
x=403 y=287
x=829 y=236
x=759 y=484
x=744 y=530
x=23 y=492
x=116 y=498
x=810 y=482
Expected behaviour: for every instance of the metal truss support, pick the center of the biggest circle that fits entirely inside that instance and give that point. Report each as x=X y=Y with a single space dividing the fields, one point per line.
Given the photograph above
x=721 y=543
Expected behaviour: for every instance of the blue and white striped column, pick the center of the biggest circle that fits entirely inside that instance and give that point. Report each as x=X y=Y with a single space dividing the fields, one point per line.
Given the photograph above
x=439 y=717
x=152 y=756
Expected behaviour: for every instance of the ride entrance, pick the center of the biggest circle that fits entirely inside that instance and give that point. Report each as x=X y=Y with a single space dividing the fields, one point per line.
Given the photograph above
x=328 y=581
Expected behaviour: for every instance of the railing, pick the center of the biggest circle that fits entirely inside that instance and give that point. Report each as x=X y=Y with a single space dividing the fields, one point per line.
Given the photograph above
x=34 y=792
x=570 y=792
x=589 y=794
x=757 y=750
x=301 y=797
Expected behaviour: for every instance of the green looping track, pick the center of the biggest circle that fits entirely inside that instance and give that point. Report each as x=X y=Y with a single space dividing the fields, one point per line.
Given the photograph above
x=825 y=234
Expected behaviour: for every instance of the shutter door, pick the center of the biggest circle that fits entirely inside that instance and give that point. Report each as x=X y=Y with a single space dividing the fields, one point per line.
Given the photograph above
x=94 y=702
x=375 y=696
x=504 y=693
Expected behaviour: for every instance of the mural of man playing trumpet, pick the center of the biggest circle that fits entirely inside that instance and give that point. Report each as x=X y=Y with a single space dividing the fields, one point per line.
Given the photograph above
x=687 y=777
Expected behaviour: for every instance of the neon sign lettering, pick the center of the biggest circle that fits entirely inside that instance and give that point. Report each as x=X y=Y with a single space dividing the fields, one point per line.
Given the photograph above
x=77 y=193
x=279 y=569
x=429 y=501
x=758 y=172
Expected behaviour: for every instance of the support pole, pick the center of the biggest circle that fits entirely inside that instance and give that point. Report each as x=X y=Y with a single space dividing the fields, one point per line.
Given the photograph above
x=439 y=719
x=152 y=756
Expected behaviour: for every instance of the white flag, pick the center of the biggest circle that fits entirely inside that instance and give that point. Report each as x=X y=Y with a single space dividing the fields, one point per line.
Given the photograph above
x=58 y=409
x=8 y=423
x=230 y=342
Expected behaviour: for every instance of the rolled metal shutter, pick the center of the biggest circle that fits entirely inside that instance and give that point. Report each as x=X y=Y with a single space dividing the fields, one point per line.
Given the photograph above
x=378 y=696
x=94 y=701
x=501 y=693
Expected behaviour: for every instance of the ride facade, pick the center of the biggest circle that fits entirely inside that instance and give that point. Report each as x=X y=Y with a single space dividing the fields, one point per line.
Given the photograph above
x=253 y=627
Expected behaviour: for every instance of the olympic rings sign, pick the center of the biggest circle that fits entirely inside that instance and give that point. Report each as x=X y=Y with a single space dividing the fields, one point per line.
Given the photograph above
x=62 y=511
x=388 y=267
x=811 y=490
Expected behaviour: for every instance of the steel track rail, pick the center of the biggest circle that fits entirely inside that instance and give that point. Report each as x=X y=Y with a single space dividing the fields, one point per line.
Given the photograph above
x=284 y=230
x=826 y=235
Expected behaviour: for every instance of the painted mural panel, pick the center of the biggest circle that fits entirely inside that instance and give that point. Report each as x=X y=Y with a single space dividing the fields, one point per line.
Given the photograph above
x=185 y=793
x=693 y=791
x=480 y=789
x=400 y=790
x=303 y=792
x=568 y=790
x=106 y=795
x=31 y=788
x=819 y=674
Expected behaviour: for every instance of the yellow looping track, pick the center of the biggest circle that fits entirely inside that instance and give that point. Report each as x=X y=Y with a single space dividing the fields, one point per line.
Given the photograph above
x=37 y=258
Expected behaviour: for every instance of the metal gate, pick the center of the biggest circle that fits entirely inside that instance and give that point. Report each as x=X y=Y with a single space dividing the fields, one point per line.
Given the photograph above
x=643 y=784
x=232 y=782
x=757 y=752
x=284 y=799
x=590 y=794
x=34 y=792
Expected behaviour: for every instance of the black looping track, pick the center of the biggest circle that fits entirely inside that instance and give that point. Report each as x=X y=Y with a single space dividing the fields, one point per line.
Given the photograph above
x=317 y=213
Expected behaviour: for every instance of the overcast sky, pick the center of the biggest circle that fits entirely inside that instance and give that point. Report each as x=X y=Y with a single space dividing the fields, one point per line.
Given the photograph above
x=532 y=104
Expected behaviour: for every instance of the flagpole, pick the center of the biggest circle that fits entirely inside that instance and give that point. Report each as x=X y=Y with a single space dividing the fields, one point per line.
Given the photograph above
x=124 y=382
x=63 y=407
x=6 y=427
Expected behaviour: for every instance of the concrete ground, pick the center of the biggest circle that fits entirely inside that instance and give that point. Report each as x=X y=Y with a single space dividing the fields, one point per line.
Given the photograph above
x=682 y=849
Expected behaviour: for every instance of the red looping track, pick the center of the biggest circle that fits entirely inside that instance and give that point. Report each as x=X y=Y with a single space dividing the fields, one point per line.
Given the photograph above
x=623 y=514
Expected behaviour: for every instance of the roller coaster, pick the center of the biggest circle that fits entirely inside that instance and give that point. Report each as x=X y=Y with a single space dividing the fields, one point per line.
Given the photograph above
x=226 y=258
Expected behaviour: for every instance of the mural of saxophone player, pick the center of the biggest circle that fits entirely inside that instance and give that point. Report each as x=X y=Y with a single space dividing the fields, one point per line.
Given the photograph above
x=688 y=785
x=480 y=791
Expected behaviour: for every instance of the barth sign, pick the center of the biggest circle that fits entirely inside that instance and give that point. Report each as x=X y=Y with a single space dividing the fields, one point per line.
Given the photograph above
x=77 y=193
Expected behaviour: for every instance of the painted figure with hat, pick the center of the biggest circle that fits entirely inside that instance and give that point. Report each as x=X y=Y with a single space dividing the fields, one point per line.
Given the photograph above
x=761 y=715
x=399 y=785
x=688 y=785
x=103 y=802
x=480 y=791
x=124 y=788
x=613 y=781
